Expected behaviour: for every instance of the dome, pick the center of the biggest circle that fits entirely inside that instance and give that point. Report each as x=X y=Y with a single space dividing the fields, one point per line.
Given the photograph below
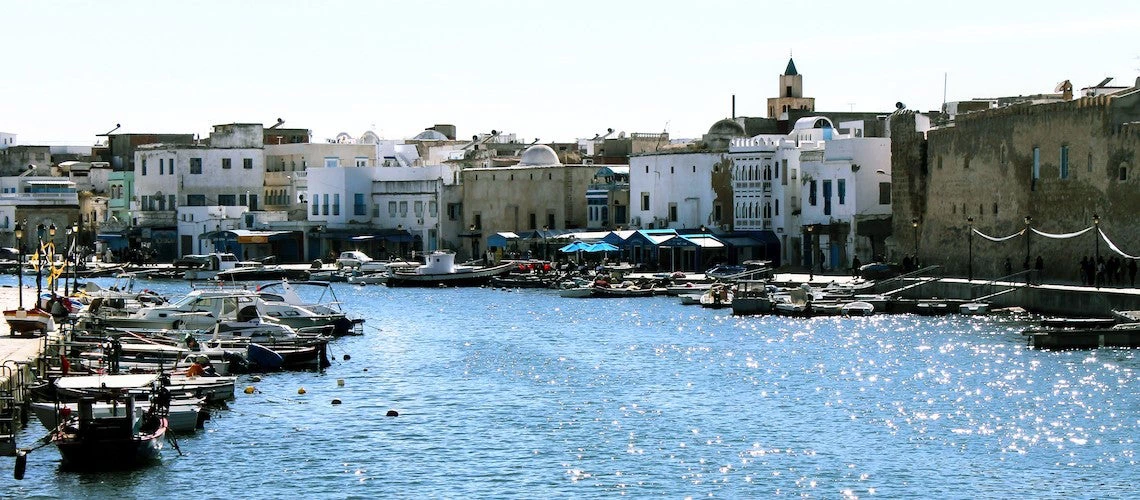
x=430 y=135
x=727 y=128
x=538 y=155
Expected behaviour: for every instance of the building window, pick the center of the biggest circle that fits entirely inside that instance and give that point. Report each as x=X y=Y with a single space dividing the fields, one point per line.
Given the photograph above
x=433 y=208
x=226 y=163
x=247 y=163
x=195 y=166
x=358 y=207
x=332 y=162
x=550 y=220
x=1090 y=162
x=227 y=200
x=827 y=197
x=1064 y=162
x=325 y=204
x=842 y=191
x=645 y=201
x=717 y=213
x=1123 y=173
x=392 y=209
x=812 y=186
x=316 y=206
x=361 y=161
x=532 y=220
x=144 y=166
x=403 y=209
x=196 y=200
x=161 y=166
x=672 y=212
x=1036 y=174
x=454 y=211
x=172 y=199
x=336 y=204
x=884 y=193
x=419 y=209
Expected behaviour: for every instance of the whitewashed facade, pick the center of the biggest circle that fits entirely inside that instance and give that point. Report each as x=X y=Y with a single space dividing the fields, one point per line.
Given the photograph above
x=673 y=190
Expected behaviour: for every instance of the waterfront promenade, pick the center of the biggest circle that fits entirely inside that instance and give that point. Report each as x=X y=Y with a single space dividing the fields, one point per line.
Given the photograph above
x=16 y=352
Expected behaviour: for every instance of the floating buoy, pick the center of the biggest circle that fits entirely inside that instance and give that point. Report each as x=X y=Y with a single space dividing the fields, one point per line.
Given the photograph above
x=249 y=389
x=256 y=378
x=365 y=369
x=301 y=390
x=340 y=382
x=392 y=413
x=347 y=357
x=336 y=401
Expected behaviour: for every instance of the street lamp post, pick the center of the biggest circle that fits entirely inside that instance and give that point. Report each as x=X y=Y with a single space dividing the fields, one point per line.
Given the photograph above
x=970 y=265
x=545 y=245
x=914 y=224
x=1096 y=255
x=20 y=263
x=67 y=263
x=811 y=268
x=1028 y=230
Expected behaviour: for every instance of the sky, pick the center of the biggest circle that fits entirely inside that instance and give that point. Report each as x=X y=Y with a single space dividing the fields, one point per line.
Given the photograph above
x=546 y=70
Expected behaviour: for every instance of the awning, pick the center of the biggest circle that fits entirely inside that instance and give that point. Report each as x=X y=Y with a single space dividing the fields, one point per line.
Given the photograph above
x=395 y=235
x=247 y=236
x=500 y=239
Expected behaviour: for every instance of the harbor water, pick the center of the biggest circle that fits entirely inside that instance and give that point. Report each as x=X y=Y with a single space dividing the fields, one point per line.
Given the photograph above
x=526 y=394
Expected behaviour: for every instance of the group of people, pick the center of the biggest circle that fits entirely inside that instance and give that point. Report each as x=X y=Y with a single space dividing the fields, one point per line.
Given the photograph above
x=1107 y=272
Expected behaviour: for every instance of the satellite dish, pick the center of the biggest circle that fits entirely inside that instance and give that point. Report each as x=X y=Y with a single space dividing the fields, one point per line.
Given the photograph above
x=494 y=133
x=899 y=105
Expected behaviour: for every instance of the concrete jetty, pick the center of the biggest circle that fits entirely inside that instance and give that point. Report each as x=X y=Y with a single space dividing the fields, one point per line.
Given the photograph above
x=18 y=354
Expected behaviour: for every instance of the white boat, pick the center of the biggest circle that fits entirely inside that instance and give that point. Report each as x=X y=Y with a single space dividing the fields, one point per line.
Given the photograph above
x=440 y=269
x=690 y=299
x=33 y=320
x=212 y=264
x=717 y=297
x=577 y=292
x=210 y=388
x=974 y=308
x=184 y=415
x=858 y=308
x=377 y=278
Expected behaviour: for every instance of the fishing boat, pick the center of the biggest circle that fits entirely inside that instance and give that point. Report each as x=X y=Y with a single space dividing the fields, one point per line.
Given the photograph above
x=26 y=321
x=184 y=415
x=209 y=265
x=257 y=271
x=119 y=440
x=377 y=278
x=752 y=297
x=717 y=297
x=440 y=269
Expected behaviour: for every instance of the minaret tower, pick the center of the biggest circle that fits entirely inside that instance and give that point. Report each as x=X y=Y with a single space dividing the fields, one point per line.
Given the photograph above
x=791 y=94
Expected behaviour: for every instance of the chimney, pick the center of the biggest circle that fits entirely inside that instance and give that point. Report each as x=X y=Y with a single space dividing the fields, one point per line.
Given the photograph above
x=733 y=106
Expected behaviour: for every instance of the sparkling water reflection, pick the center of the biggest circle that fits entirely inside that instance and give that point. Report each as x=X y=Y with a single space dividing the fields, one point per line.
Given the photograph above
x=527 y=394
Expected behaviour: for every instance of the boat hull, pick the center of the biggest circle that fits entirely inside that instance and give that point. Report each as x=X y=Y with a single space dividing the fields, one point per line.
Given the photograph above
x=78 y=453
x=478 y=277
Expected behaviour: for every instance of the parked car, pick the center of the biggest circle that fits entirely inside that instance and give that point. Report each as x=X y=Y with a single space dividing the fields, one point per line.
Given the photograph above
x=879 y=270
x=355 y=259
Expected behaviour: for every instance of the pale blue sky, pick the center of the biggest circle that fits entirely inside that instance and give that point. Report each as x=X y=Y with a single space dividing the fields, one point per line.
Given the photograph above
x=550 y=70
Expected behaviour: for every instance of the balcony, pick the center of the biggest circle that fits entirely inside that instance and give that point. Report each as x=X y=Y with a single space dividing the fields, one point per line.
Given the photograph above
x=43 y=199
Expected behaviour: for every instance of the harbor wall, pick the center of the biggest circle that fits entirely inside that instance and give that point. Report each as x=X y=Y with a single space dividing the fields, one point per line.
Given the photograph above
x=1043 y=299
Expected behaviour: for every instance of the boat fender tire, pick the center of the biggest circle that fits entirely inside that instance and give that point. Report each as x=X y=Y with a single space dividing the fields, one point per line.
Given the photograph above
x=21 y=464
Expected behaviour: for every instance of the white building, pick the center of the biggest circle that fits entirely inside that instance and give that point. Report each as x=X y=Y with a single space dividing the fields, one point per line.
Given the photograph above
x=229 y=172
x=7 y=139
x=675 y=190
x=822 y=193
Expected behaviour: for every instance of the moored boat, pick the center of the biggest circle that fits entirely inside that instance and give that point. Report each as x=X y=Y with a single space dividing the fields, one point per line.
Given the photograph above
x=120 y=440
x=441 y=270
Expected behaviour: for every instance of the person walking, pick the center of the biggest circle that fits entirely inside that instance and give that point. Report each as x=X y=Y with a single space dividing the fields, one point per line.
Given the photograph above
x=855 y=267
x=1039 y=266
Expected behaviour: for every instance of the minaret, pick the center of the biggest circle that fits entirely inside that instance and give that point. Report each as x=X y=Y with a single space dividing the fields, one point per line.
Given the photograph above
x=791 y=94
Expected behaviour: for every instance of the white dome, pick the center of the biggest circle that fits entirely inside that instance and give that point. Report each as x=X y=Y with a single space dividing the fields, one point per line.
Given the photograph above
x=430 y=135
x=539 y=154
